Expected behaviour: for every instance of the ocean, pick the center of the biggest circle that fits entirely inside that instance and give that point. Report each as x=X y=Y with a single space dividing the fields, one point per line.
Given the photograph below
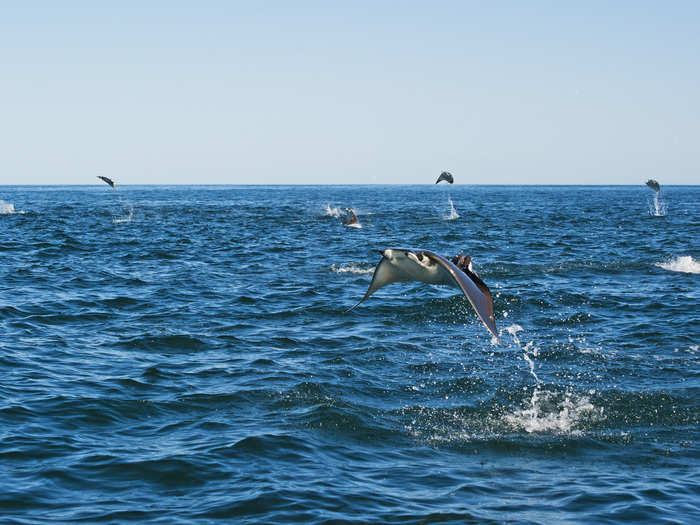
x=183 y=354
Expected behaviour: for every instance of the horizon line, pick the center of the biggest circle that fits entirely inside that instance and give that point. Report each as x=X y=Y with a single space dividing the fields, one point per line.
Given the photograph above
x=325 y=184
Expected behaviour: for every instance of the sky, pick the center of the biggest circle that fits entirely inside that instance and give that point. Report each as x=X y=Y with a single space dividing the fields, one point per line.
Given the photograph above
x=358 y=92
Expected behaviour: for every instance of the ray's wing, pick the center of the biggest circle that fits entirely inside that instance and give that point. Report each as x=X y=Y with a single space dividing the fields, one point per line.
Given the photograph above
x=384 y=273
x=107 y=180
x=473 y=288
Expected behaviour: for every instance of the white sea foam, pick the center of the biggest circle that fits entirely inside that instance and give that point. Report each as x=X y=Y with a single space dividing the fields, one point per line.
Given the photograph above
x=351 y=268
x=354 y=225
x=453 y=213
x=683 y=264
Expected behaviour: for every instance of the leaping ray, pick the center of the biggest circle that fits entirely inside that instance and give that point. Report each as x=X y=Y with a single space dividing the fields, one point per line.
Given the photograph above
x=399 y=265
x=107 y=180
x=445 y=175
x=654 y=185
x=352 y=220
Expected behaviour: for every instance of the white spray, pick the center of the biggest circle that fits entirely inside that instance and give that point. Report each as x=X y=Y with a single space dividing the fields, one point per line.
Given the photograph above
x=453 y=213
x=657 y=206
x=333 y=212
x=6 y=208
x=534 y=418
x=125 y=207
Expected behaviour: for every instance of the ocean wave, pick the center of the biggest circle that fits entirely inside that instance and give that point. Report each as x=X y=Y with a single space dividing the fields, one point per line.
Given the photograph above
x=174 y=342
x=173 y=360
x=682 y=263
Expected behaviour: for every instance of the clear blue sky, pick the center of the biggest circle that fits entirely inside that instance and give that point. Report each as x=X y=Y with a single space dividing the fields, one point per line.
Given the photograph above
x=385 y=92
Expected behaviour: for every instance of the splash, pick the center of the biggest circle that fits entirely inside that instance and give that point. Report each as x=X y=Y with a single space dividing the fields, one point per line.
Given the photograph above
x=354 y=225
x=453 y=213
x=657 y=207
x=6 y=208
x=548 y=412
x=351 y=268
x=513 y=330
x=127 y=218
x=123 y=204
x=529 y=351
x=683 y=264
x=333 y=212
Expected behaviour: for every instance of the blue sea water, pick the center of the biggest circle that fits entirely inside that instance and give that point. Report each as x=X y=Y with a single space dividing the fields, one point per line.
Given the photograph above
x=183 y=355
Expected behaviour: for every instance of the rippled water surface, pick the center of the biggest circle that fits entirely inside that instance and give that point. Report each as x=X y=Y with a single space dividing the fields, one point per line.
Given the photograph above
x=182 y=355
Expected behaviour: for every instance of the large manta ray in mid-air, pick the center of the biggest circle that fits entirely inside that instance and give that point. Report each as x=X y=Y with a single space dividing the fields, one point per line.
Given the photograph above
x=107 y=180
x=398 y=265
x=653 y=185
x=445 y=175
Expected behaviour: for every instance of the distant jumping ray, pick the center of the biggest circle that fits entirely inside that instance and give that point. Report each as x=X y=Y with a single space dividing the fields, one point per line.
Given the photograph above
x=445 y=175
x=653 y=185
x=107 y=180
x=352 y=220
x=657 y=208
x=398 y=265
